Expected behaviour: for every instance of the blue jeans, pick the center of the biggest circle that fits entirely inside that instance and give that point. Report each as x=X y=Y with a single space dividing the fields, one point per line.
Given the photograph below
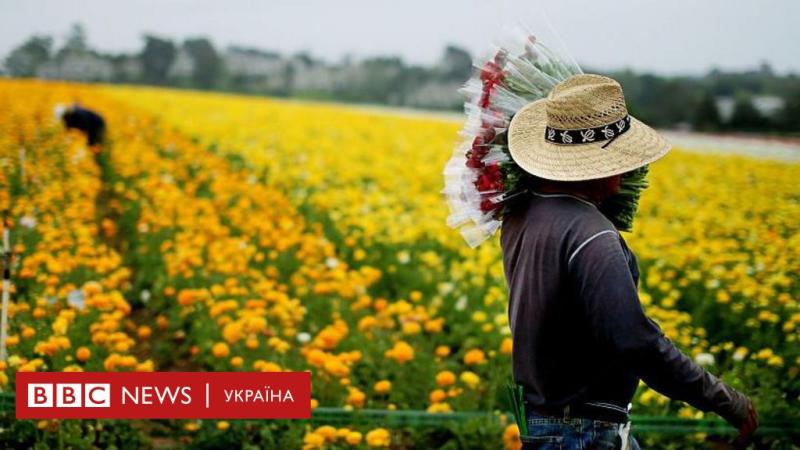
x=558 y=433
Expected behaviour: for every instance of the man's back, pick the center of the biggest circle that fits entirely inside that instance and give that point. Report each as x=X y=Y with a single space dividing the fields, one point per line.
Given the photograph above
x=555 y=357
x=580 y=334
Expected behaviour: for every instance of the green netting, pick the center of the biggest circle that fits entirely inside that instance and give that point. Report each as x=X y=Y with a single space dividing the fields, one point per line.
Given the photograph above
x=413 y=418
x=642 y=424
x=395 y=418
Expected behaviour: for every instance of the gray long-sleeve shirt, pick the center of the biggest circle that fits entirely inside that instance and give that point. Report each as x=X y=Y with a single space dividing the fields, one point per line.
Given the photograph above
x=580 y=333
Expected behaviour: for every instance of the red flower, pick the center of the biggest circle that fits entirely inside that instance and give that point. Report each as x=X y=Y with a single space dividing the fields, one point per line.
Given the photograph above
x=474 y=163
x=483 y=183
x=484 y=102
x=487 y=205
x=489 y=71
x=491 y=74
x=490 y=178
x=480 y=148
x=488 y=134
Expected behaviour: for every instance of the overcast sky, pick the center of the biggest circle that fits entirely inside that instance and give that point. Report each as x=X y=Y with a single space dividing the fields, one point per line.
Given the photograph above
x=672 y=36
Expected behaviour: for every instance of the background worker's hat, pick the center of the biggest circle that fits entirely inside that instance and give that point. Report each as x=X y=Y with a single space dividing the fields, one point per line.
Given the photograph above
x=582 y=131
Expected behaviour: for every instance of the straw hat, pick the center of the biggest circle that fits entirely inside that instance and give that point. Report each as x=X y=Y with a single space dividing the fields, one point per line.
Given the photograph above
x=582 y=131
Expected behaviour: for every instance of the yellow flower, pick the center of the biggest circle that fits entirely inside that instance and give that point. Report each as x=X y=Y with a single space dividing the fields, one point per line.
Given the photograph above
x=439 y=408
x=442 y=351
x=220 y=350
x=251 y=343
x=506 y=346
x=356 y=397
x=146 y=366
x=775 y=361
x=313 y=441
x=267 y=366
x=474 y=356
x=83 y=354
x=92 y=288
x=162 y=322
x=186 y=297
x=435 y=325
x=353 y=438
x=327 y=432
x=445 y=378
x=437 y=396
x=382 y=387
x=144 y=332
x=765 y=353
x=470 y=379
x=401 y=352
x=411 y=328
x=511 y=438
x=336 y=367
x=379 y=437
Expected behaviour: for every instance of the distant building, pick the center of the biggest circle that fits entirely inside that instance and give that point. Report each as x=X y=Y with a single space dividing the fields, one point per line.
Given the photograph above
x=766 y=105
x=318 y=78
x=77 y=66
x=182 y=66
x=247 y=63
x=436 y=95
x=128 y=68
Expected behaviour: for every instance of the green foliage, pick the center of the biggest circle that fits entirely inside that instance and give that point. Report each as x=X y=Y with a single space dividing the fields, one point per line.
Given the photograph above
x=789 y=117
x=207 y=63
x=157 y=57
x=706 y=115
x=745 y=115
x=25 y=59
x=621 y=208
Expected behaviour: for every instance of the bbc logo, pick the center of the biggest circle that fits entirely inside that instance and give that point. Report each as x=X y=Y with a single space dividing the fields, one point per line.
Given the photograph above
x=69 y=395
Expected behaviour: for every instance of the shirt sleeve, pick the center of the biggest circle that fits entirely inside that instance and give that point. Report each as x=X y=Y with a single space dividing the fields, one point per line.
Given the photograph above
x=608 y=294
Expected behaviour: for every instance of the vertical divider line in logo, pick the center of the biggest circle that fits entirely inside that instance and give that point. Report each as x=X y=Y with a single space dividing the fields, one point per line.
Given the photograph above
x=207 y=399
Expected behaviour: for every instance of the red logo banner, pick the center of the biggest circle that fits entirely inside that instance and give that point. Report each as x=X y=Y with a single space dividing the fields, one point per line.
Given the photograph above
x=163 y=395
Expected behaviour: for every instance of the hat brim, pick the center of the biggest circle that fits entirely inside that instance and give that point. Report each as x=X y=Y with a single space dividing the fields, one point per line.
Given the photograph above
x=639 y=146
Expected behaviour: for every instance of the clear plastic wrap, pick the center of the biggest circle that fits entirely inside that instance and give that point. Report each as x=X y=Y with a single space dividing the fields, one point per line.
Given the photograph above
x=481 y=178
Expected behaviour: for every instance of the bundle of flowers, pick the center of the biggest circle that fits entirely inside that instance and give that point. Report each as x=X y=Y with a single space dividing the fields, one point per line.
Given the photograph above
x=482 y=188
x=482 y=182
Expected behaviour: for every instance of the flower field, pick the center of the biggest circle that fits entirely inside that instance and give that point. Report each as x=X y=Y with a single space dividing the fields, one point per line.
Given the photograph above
x=220 y=232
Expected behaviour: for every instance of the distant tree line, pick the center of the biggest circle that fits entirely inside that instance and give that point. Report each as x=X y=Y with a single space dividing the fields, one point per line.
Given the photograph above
x=758 y=100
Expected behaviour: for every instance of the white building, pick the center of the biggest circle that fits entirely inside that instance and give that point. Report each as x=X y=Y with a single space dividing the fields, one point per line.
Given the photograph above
x=77 y=66
x=182 y=66
x=252 y=64
x=767 y=105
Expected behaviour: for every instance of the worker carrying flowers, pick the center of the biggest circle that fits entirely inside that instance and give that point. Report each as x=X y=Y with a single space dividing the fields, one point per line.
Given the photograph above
x=554 y=161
